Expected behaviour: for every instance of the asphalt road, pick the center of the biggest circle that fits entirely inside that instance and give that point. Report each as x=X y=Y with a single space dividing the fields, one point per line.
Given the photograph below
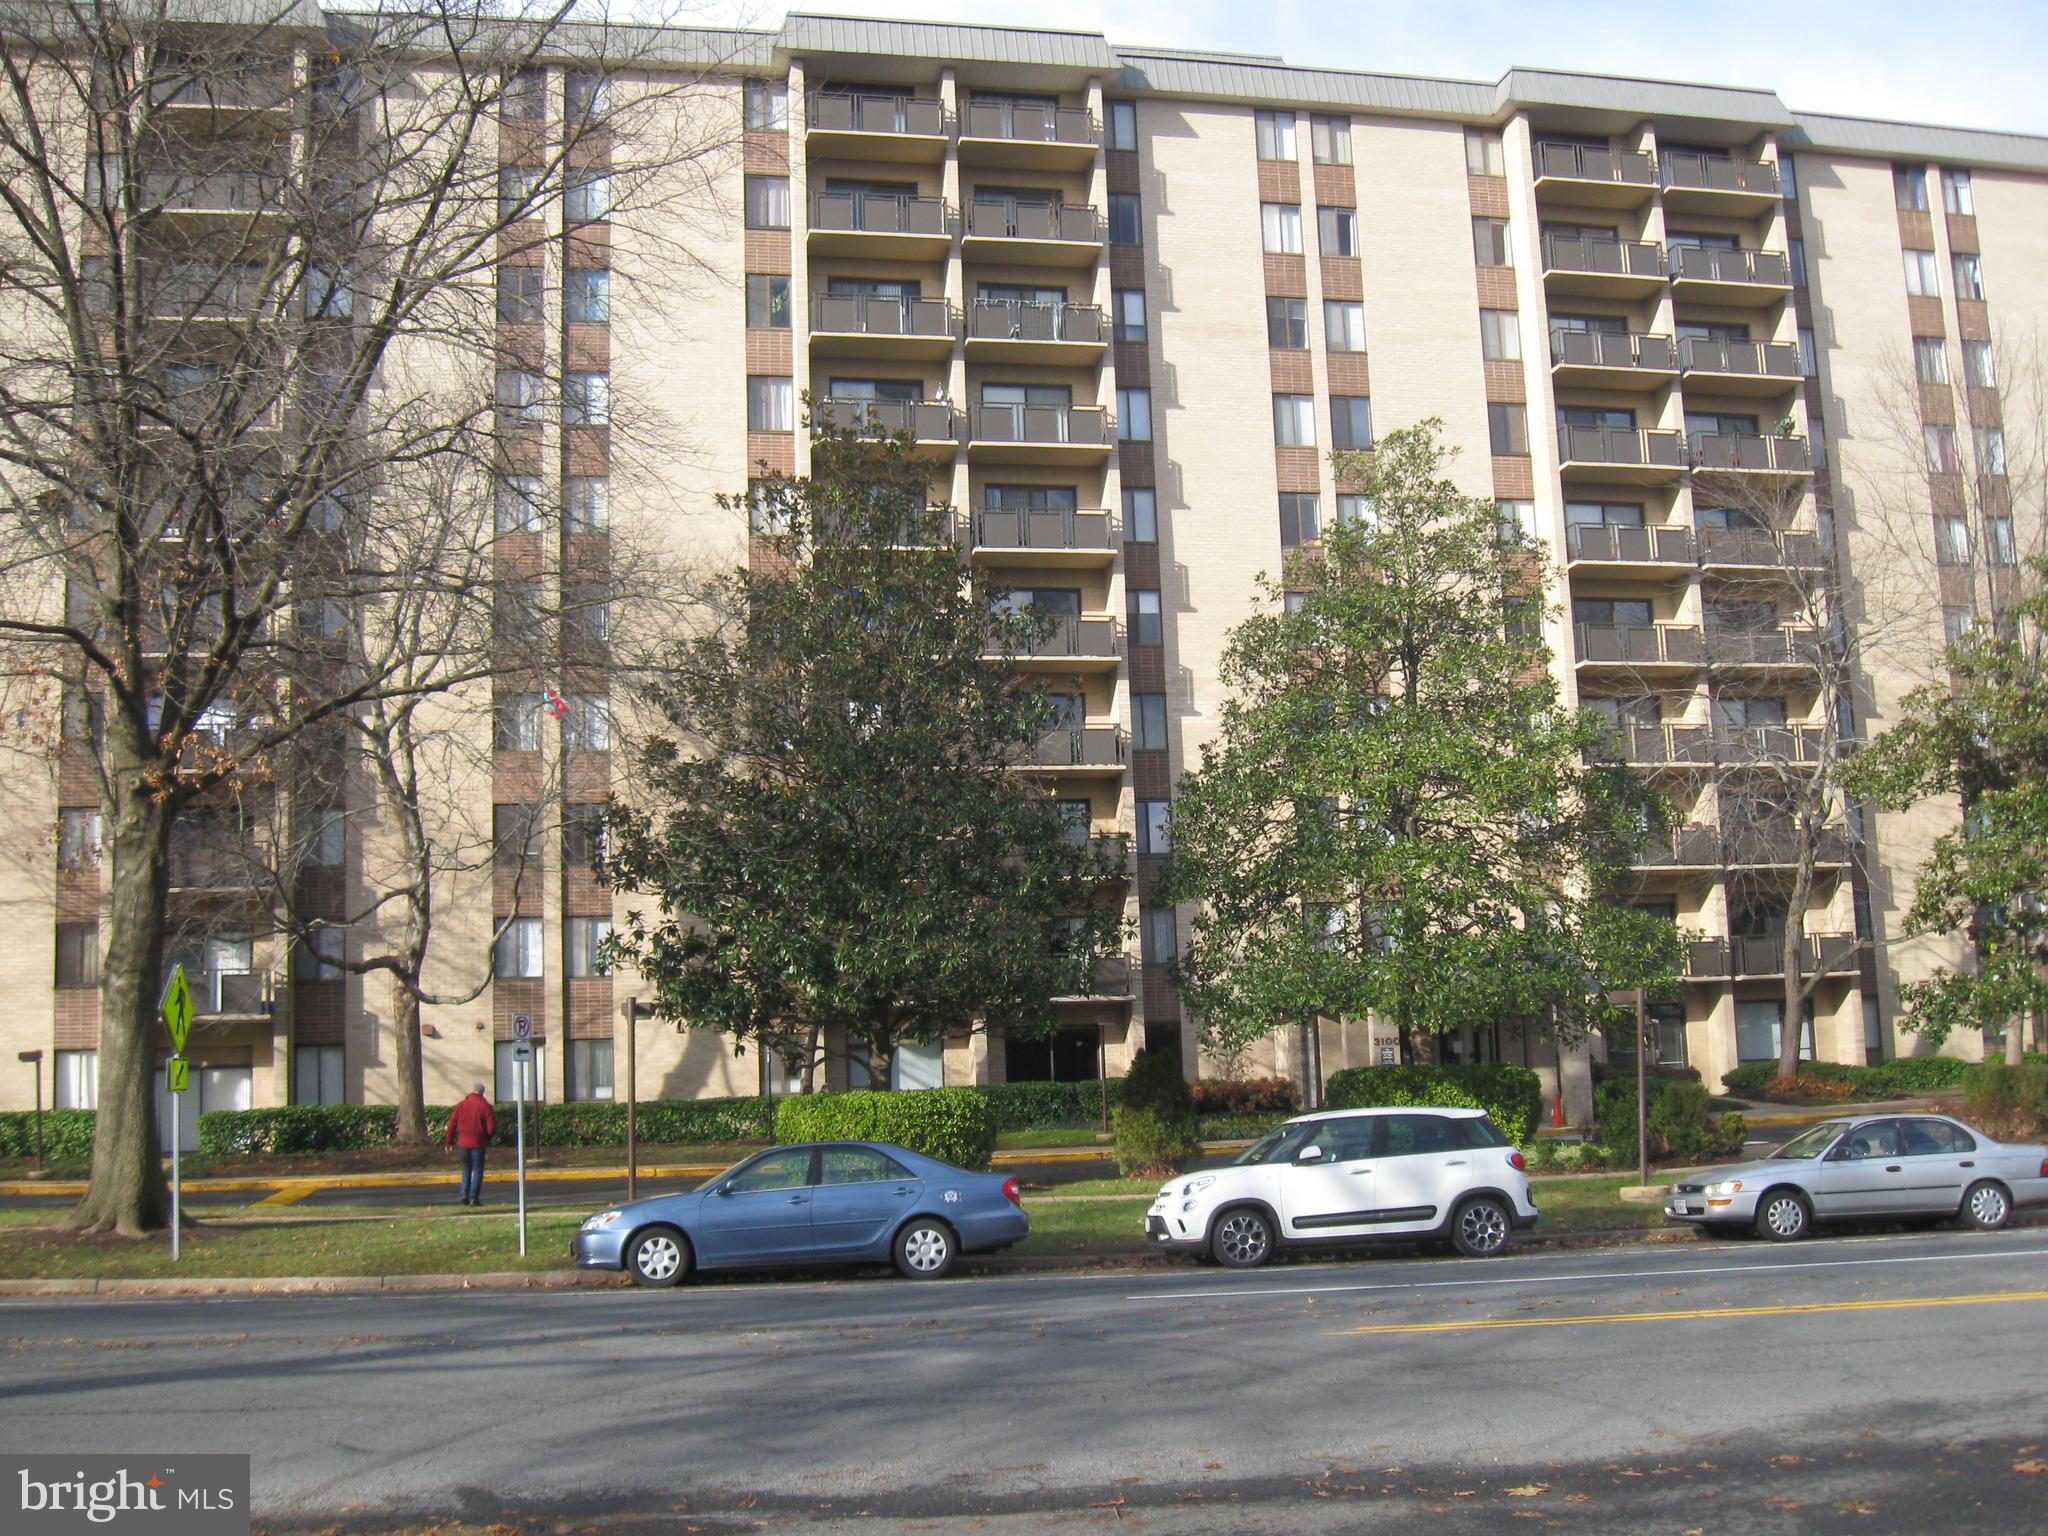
x=1871 y=1383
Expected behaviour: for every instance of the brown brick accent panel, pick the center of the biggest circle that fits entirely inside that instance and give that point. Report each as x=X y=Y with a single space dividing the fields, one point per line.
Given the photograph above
x=1133 y=364
x=1343 y=277
x=1149 y=865
x=1149 y=777
x=1505 y=381
x=1354 y=468
x=590 y=245
x=767 y=250
x=1924 y=316
x=522 y=142
x=1973 y=320
x=1962 y=233
x=1159 y=1001
x=520 y=345
x=77 y=1019
x=1985 y=411
x=588 y=347
x=1120 y=167
x=1134 y=463
x=515 y=777
x=769 y=351
x=585 y=555
x=1127 y=266
x=518 y=994
x=590 y=1008
x=775 y=449
x=317 y=1013
x=1279 y=181
x=1513 y=480
x=76 y=784
x=320 y=892
x=1349 y=374
x=1945 y=494
x=589 y=774
x=1489 y=195
x=519 y=451
x=766 y=152
x=1148 y=668
x=587 y=450
x=1496 y=287
x=516 y=889
x=1292 y=373
x=78 y=895
x=1937 y=405
x=516 y=554
x=1956 y=584
x=1287 y=276
x=583 y=894
x=1916 y=229
x=1297 y=469
x=1141 y=566
x=1336 y=186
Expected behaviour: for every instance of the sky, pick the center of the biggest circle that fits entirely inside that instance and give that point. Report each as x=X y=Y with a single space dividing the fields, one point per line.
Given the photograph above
x=1981 y=65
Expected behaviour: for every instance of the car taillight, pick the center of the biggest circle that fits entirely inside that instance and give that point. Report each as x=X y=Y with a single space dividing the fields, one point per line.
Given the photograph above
x=1517 y=1161
x=2044 y=1167
x=1010 y=1193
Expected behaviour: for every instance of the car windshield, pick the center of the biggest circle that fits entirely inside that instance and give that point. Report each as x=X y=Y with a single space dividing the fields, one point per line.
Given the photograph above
x=1276 y=1146
x=1810 y=1143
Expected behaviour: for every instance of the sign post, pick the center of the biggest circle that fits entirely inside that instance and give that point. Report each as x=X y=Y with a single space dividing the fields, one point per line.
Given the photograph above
x=522 y=1056
x=177 y=1012
x=1642 y=1087
x=37 y=1058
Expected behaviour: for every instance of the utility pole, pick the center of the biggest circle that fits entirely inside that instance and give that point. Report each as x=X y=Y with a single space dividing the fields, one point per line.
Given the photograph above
x=633 y=1010
x=1642 y=1086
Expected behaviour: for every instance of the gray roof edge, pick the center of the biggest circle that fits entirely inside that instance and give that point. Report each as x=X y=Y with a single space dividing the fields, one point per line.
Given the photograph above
x=965 y=42
x=1879 y=138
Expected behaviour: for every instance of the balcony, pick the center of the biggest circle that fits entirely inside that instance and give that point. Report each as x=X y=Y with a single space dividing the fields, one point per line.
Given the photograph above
x=226 y=86
x=1011 y=331
x=1041 y=434
x=217 y=865
x=878 y=226
x=1743 y=189
x=1601 y=268
x=1043 y=537
x=1627 y=550
x=1690 y=846
x=1078 y=752
x=1741 y=367
x=1589 y=176
x=882 y=326
x=1111 y=980
x=1032 y=234
x=1624 y=455
x=1744 y=279
x=1767 y=649
x=1027 y=137
x=1832 y=954
x=214 y=193
x=899 y=130
x=1611 y=360
x=1753 y=548
x=1660 y=746
x=1769 y=745
x=1077 y=643
x=1773 y=843
x=1724 y=453
x=230 y=994
x=933 y=425
x=1640 y=647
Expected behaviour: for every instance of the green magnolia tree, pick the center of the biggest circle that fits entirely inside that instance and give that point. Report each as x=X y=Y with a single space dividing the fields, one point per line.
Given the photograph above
x=1397 y=817
x=831 y=816
x=1984 y=739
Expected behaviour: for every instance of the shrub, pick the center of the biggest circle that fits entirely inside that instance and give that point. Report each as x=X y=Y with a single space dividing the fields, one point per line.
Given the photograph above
x=1044 y=1106
x=306 y=1128
x=1239 y=1127
x=1511 y=1096
x=1908 y=1074
x=1680 y=1124
x=301 y=1128
x=1247 y=1096
x=2009 y=1101
x=1832 y=1080
x=954 y=1125
x=67 y=1134
x=1154 y=1122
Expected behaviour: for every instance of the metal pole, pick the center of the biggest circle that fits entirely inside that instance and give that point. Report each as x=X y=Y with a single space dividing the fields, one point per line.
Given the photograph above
x=1642 y=1087
x=519 y=1121
x=177 y=1136
x=632 y=1100
x=39 y=1112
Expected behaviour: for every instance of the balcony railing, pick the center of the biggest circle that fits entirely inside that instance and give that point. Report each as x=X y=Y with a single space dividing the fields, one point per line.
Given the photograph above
x=1593 y=162
x=1647 y=446
x=223 y=85
x=1028 y=123
x=213 y=191
x=880 y=314
x=1645 y=546
x=1083 y=425
x=1760 y=647
x=1689 y=846
x=1088 y=746
x=1651 y=744
x=1830 y=954
x=1612 y=349
x=879 y=213
x=230 y=994
x=1015 y=320
x=1043 y=529
x=1767 y=359
x=210 y=864
x=846 y=112
x=1753 y=547
x=1622 y=645
x=1706 y=264
x=1768 y=743
x=1775 y=840
x=1741 y=451
x=928 y=421
x=991 y=220
x=1076 y=635
x=1603 y=256
x=1709 y=173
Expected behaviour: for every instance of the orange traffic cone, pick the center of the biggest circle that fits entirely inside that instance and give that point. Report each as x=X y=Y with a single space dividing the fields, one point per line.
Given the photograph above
x=1557 y=1110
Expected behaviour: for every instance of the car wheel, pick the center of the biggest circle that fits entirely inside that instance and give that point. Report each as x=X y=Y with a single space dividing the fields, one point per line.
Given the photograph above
x=1242 y=1239
x=1480 y=1228
x=1986 y=1206
x=659 y=1257
x=925 y=1249
x=1783 y=1215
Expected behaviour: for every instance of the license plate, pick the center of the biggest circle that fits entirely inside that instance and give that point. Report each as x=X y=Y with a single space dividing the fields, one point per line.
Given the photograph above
x=1682 y=1210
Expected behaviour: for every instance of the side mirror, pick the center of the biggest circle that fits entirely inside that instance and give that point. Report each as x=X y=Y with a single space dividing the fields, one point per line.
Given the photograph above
x=723 y=1188
x=1309 y=1154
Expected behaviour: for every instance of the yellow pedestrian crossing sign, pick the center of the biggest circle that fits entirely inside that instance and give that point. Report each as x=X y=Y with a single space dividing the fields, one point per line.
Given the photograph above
x=181 y=1074
x=177 y=1008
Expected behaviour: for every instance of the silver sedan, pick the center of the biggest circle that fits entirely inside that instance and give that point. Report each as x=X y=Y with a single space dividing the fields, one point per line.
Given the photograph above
x=1868 y=1169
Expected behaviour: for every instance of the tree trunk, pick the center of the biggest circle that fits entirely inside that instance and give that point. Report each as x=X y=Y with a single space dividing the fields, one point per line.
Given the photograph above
x=1794 y=1027
x=128 y=1193
x=2016 y=1040
x=412 y=1094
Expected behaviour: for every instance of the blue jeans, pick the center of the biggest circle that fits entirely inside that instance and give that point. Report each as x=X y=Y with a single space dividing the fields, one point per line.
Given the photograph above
x=473 y=1174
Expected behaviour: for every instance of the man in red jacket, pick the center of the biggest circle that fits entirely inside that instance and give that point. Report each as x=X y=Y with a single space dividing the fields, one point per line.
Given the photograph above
x=470 y=1127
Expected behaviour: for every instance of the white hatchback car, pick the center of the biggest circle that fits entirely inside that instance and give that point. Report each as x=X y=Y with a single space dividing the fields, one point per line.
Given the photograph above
x=1345 y=1176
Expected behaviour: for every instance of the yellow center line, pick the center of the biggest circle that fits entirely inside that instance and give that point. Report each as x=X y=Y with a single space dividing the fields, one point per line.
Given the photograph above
x=1788 y=1309
x=289 y=1195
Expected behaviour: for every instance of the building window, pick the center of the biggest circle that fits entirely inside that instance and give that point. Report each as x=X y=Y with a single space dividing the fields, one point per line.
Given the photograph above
x=1286 y=324
x=1500 y=335
x=1930 y=359
x=1153 y=836
x=1909 y=187
x=2003 y=550
x=1980 y=367
x=1490 y=243
x=1127 y=312
x=1123 y=125
x=585 y=97
x=1955 y=191
x=587 y=722
x=75 y=1080
x=766 y=106
x=1795 y=257
x=1940 y=443
x=326 y=840
x=1148 y=722
x=524 y=96
x=518 y=503
x=1788 y=177
x=587 y=936
x=518 y=952
x=586 y=503
x=1507 y=427
x=519 y=398
x=1158 y=938
x=1134 y=415
x=1275 y=134
x=771 y=404
x=1141 y=515
x=1124 y=225
x=1329 y=139
x=78 y=838
x=586 y=399
x=1923 y=278
x=518 y=191
x=316 y=1074
x=1355 y=511
x=586 y=837
x=1517 y=520
x=1956 y=622
x=515 y=835
x=587 y=296
x=1809 y=353
x=328 y=294
x=1293 y=602
x=767 y=202
x=590 y=1070
x=1280 y=226
x=1350 y=423
x=1294 y=421
x=1143 y=609
x=1344 y=325
x=1952 y=539
x=318 y=956
x=1300 y=518
x=1990 y=445
x=78 y=955
x=1484 y=155
x=1969 y=272
x=516 y=722
x=587 y=197
x=1337 y=231
x=767 y=301
x=519 y=295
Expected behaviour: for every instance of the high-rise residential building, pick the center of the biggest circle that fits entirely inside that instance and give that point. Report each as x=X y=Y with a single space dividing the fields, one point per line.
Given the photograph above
x=1700 y=348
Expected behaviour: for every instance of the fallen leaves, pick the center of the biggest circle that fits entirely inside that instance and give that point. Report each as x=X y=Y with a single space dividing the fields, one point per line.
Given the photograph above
x=1527 y=1491
x=2030 y=1468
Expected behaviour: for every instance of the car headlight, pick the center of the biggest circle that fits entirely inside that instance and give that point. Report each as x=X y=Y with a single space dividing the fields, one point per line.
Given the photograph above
x=1725 y=1187
x=601 y=1220
x=1195 y=1186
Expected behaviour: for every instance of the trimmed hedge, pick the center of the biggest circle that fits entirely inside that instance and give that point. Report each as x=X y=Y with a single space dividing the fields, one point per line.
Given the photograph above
x=1511 y=1096
x=1245 y=1096
x=2013 y=1099
x=1681 y=1122
x=67 y=1134
x=954 y=1125
x=1156 y=1129
x=1880 y=1080
x=1046 y=1106
x=357 y=1127
x=304 y=1128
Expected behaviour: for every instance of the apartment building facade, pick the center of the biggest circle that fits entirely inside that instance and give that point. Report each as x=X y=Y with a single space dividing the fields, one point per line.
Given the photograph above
x=1127 y=302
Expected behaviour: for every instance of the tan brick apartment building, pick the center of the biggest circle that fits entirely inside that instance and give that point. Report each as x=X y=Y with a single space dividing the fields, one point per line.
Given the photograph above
x=1128 y=300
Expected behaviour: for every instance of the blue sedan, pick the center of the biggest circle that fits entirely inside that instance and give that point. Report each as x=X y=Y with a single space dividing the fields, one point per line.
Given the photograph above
x=832 y=1202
